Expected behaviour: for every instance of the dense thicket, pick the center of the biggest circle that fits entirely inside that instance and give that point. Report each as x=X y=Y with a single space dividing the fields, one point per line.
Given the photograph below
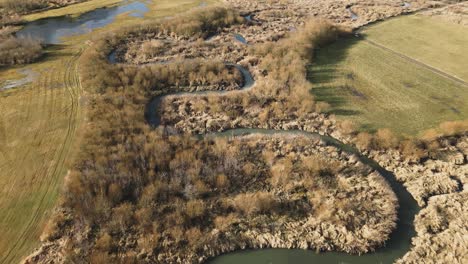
x=144 y=190
x=204 y=22
x=19 y=50
x=13 y=7
x=281 y=93
x=412 y=148
x=22 y=6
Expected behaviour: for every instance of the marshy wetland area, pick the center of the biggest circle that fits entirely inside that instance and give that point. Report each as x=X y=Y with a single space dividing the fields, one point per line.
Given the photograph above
x=233 y=131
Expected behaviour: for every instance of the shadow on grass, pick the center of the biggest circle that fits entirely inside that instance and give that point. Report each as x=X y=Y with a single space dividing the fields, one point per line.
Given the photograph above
x=51 y=52
x=56 y=51
x=324 y=71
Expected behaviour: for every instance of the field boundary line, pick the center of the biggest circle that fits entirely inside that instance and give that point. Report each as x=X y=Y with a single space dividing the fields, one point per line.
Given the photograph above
x=415 y=61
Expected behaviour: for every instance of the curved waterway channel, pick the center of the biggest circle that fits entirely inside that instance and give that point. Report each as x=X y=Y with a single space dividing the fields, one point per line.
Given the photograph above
x=398 y=244
x=52 y=31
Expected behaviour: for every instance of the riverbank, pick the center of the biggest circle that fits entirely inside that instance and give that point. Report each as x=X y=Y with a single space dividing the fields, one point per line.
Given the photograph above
x=268 y=200
x=128 y=200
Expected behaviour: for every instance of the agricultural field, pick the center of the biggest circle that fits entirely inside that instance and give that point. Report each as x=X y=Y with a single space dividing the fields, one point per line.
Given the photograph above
x=38 y=129
x=38 y=124
x=407 y=74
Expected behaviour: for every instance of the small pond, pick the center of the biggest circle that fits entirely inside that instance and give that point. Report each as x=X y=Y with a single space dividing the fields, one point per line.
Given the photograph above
x=52 y=30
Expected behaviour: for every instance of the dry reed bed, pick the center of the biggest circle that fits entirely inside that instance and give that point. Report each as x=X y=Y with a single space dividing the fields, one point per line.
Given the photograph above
x=107 y=183
x=175 y=199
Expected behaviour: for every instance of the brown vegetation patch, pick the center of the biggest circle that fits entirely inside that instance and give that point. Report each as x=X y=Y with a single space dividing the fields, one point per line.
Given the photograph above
x=138 y=194
x=457 y=13
x=442 y=234
x=19 y=50
x=176 y=199
x=12 y=7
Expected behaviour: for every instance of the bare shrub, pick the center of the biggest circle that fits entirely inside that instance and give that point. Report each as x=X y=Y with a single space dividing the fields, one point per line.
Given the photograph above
x=413 y=150
x=19 y=50
x=254 y=203
x=453 y=128
x=100 y=257
x=202 y=21
x=54 y=227
x=347 y=127
x=22 y=6
x=385 y=139
x=194 y=235
x=280 y=172
x=195 y=208
x=152 y=48
x=223 y=222
x=322 y=107
x=318 y=170
x=222 y=181
x=364 y=140
x=104 y=243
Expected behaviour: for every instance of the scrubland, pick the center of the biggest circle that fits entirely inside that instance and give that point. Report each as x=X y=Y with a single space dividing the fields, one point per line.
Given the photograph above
x=442 y=234
x=38 y=124
x=151 y=195
x=139 y=194
x=15 y=50
x=19 y=51
x=26 y=6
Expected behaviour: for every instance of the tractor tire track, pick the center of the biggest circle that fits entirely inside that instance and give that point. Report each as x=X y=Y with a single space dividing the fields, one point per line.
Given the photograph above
x=54 y=172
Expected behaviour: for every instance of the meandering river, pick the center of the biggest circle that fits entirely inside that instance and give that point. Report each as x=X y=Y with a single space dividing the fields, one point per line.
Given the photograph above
x=53 y=30
x=398 y=244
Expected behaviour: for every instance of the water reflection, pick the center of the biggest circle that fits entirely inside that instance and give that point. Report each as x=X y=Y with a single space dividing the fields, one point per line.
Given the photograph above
x=52 y=30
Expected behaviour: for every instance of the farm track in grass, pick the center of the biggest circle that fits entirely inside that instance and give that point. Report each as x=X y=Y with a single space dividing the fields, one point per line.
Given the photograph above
x=435 y=70
x=49 y=112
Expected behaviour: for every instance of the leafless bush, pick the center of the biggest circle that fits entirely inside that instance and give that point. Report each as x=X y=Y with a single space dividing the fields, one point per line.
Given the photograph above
x=22 y=6
x=19 y=50
x=254 y=203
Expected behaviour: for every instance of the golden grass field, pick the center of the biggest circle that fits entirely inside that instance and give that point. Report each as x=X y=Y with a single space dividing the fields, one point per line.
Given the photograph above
x=38 y=124
x=73 y=10
x=408 y=74
x=38 y=128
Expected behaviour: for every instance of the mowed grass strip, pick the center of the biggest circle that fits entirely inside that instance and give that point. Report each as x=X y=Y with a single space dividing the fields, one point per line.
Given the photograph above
x=377 y=88
x=433 y=41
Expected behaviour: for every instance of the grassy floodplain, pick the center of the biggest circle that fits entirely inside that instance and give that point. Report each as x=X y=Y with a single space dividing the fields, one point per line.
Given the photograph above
x=38 y=127
x=407 y=73
x=73 y=10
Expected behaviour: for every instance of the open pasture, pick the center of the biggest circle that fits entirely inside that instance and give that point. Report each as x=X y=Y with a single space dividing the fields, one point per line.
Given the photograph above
x=407 y=73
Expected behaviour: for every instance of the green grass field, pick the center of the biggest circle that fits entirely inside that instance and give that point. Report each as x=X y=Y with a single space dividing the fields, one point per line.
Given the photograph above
x=38 y=127
x=408 y=74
